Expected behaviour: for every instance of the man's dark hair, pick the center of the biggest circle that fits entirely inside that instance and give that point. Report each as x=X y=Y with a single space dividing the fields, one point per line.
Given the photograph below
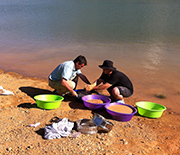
x=81 y=59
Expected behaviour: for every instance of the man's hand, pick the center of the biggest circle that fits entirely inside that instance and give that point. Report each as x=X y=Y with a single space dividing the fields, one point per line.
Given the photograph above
x=74 y=94
x=90 y=87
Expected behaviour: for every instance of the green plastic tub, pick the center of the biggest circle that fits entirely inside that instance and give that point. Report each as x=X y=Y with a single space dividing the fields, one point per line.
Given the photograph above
x=48 y=101
x=150 y=109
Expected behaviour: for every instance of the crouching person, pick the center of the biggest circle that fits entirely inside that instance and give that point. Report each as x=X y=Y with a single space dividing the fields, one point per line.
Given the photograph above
x=64 y=77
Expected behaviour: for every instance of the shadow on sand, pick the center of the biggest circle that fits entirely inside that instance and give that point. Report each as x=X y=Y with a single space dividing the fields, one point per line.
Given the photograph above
x=31 y=91
x=77 y=104
x=74 y=103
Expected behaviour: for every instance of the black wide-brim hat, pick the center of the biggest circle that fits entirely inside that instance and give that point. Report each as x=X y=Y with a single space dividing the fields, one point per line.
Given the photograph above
x=107 y=64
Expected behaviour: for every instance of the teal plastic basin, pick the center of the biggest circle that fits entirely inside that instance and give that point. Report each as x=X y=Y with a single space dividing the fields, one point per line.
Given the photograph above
x=150 y=109
x=48 y=101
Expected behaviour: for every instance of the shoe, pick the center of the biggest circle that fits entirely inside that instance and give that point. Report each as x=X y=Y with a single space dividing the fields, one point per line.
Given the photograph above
x=120 y=101
x=55 y=92
x=67 y=93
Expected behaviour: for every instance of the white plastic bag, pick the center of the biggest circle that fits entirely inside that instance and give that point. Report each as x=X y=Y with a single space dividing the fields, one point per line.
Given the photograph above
x=5 y=92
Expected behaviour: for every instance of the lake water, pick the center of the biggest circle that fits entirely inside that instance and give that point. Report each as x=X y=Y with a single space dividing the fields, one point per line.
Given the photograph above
x=142 y=37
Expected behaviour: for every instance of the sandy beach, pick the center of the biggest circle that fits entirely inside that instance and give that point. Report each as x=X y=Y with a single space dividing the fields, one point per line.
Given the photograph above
x=140 y=135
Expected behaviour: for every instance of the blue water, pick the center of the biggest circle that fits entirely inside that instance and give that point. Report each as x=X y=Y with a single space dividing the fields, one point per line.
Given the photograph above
x=74 y=21
x=142 y=37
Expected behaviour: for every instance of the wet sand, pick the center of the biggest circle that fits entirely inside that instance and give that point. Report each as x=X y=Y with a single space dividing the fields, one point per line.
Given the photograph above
x=146 y=86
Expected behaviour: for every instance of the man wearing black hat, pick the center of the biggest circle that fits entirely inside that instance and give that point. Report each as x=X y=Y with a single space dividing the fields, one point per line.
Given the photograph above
x=116 y=82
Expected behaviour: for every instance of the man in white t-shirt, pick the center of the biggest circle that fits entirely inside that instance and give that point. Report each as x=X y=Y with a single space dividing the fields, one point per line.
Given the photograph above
x=65 y=76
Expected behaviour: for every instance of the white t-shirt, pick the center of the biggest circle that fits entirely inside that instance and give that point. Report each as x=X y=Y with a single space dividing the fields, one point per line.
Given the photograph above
x=66 y=70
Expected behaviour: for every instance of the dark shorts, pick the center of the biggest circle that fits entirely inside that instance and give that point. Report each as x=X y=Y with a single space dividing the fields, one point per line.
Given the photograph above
x=125 y=92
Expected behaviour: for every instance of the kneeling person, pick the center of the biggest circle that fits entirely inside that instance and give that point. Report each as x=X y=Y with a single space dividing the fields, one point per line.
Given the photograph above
x=64 y=78
x=116 y=82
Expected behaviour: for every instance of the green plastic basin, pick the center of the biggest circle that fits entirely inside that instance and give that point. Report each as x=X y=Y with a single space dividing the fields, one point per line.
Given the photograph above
x=48 y=101
x=150 y=109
